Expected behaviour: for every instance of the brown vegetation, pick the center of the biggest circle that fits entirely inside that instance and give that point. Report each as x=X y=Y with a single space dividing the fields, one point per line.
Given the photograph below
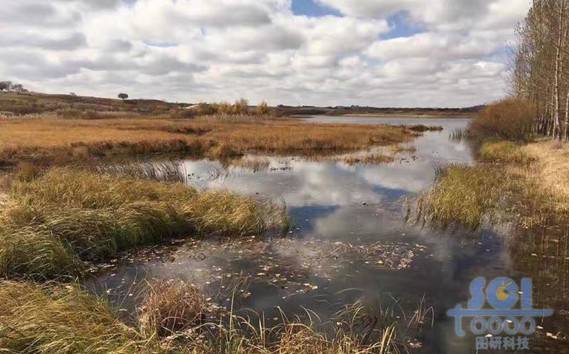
x=508 y=119
x=170 y=307
x=540 y=75
x=54 y=141
x=53 y=225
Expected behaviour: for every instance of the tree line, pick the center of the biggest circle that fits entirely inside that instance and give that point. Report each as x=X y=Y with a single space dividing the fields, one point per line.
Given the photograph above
x=540 y=72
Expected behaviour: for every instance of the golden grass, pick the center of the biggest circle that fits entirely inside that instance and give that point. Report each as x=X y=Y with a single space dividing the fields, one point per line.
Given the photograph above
x=529 y=185
x=504 y=152
x=54 y=222
x=463 y=195
x=552 y=165
x=76 y=140
x=170 y=307
x=55 y=319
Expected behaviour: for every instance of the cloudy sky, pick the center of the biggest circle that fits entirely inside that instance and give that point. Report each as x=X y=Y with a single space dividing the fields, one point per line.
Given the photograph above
x=321 y=52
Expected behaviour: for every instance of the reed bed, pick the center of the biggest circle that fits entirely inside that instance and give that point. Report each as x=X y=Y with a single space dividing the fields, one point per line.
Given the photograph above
x=52 y=318
x=463 y=195
x=63 y=141
x=486 y=194
x=56 y=222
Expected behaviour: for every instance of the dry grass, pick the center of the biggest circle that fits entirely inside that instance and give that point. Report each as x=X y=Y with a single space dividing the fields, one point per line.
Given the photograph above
x=503 y=152
x=464 y=195
x=371 y=159
x=55 y=222
x=552 y=165
x=398 y=149
x=528 y=185
x=58 y=140
x=55 y=319
x=170 y=307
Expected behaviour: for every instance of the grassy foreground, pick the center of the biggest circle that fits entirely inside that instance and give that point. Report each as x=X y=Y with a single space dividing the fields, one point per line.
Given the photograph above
x=519 y=183
x=60 y=141
x=51 y=318
x=55 y=222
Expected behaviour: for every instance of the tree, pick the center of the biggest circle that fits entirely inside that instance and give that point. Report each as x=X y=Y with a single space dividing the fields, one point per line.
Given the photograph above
x=123 y=96
x=263 y=109
x=540 y=71
x=5 y=85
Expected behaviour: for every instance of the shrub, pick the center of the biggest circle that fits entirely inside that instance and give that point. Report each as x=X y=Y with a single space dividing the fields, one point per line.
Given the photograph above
x=263 y=109
x=509 y=119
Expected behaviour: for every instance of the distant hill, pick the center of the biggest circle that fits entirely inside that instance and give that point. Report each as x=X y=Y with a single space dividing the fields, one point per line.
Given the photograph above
x=360 y=110
x=36 y=103
x=22 y=103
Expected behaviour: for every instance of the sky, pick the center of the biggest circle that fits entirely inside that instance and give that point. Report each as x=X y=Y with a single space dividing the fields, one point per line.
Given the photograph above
x=383 y=53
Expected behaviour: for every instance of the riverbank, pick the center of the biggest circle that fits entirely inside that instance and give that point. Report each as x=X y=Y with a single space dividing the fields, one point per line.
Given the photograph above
x=519 y=191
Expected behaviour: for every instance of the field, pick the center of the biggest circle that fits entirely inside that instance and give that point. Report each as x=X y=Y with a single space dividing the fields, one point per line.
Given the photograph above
x=58 y=141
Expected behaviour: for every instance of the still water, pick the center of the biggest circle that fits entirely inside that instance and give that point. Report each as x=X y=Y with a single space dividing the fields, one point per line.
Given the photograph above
x=349 y=240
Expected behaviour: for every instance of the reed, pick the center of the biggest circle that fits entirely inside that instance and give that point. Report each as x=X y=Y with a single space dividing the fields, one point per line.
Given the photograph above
x=66 y=216
x=52 y=318
x=63 y=141
x=62 y=319
x=463 y=195
x=171 y=307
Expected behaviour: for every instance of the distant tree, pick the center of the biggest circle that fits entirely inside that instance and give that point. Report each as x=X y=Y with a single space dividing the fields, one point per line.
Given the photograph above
x=241 y=106
x=5 y=85
x=123 y=96
x=263 y=109
x=18 y=88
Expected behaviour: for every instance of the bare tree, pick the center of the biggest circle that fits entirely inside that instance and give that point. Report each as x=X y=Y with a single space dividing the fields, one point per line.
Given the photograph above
x=5 y=85
x=540 y=65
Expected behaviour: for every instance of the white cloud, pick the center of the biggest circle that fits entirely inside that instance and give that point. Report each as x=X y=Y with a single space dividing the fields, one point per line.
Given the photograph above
x=194 y=50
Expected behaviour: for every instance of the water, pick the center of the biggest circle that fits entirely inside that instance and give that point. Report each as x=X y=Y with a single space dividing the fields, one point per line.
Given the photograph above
x=349 y=240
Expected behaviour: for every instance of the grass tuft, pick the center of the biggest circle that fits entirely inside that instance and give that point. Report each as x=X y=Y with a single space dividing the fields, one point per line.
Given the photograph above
x=170 y=307
x=55 y=319
x=68 y=215
x=463 y=195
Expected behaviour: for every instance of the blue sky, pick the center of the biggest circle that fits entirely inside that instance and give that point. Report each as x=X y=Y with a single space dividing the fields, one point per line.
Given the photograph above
x=312 y=8
x=400 y=23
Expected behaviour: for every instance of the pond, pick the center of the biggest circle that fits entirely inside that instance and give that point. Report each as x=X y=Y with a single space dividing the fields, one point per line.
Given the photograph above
x=349 y=240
